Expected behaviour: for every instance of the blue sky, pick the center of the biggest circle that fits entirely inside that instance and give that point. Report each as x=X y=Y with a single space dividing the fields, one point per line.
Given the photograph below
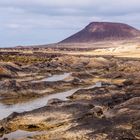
x=27 y=22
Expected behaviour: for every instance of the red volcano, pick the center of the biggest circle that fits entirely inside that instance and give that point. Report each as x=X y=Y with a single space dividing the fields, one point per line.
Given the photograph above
x=101 y=31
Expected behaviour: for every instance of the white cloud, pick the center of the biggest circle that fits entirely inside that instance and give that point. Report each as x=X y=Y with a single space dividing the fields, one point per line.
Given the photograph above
x=13 y=26
x=43 y=17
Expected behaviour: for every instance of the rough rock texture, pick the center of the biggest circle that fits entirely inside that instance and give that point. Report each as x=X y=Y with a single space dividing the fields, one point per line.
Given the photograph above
x=107 y=113
x=8 y=70
x=25 y=81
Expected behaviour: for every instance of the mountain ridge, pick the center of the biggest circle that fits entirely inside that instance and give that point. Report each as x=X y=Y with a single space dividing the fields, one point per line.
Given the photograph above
x=101 y=31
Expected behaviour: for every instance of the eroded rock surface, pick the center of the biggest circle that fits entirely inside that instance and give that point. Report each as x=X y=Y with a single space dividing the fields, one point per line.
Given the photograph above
x=109 y=112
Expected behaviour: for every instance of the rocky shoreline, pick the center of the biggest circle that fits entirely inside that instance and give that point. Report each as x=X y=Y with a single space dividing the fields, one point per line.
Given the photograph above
x=109 y=112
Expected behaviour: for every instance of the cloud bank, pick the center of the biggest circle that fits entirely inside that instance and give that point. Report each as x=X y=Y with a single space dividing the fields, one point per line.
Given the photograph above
x=25 y=22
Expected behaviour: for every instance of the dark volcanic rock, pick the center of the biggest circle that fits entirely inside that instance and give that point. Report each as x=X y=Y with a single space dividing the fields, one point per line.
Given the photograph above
x=98 y=31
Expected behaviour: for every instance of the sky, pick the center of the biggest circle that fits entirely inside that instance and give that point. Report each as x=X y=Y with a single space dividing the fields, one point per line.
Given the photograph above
x=33 y=22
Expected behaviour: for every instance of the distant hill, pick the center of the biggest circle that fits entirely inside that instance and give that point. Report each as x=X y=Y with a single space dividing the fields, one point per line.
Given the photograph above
x=102 y=31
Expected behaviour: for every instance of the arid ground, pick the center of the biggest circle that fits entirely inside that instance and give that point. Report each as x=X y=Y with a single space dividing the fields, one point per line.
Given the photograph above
x=70 y=94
